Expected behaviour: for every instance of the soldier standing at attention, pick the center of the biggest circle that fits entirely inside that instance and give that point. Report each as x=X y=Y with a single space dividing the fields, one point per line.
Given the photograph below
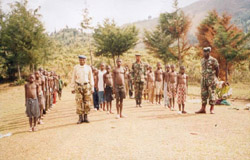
x=210 y=71
x=138 y=76
x=83 y=83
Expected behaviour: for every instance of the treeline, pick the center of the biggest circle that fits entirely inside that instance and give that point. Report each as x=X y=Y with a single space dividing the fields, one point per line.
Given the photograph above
x=25 y=45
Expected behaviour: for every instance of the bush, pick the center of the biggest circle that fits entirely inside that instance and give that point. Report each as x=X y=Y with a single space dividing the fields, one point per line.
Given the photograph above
x=19 y=82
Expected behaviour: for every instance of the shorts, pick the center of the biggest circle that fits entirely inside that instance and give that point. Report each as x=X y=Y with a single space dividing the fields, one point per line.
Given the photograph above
x=101 y=97
x=119 y=92
x=108 y=94
x=158 y=88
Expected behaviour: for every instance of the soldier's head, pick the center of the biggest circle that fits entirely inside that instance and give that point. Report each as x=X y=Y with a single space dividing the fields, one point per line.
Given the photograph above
x=108 y=68
x=158 y=65
x=182 y=69
x=206 y=52
x=31 y=78
x=119 y=62
x=102 y=66
x=172 y=67
x=167 y=67
x=138 y=57
x=82 y=59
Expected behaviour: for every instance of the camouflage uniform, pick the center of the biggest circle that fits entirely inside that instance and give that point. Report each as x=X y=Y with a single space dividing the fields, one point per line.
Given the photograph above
x=82 y=97
x=208 y=83
x=138 y=76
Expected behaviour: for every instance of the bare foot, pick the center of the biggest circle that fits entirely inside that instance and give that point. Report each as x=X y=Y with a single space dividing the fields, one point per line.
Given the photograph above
x=35 y=129
x=31 y=129
x=111 y=112
x=118 y=117
x=184 y=112
x=123 y=116
x=212 y=112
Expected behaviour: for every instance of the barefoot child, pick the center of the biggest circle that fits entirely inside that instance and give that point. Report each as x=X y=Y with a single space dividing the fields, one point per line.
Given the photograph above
x=108 y=90
x=166 y=80
x=40 y=83
x=119 y=86
x=172 y=86
x=95 y=93
x=150 y=85
x=182 y=85
x=158 y=83
x=31 y=101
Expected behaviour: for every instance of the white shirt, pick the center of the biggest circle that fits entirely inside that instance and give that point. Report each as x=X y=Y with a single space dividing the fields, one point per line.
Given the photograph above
x=82 y=74
x=100 y=80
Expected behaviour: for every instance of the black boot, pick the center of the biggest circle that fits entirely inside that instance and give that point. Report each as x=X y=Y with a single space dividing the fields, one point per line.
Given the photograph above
x=80 y=119
x=86 y=118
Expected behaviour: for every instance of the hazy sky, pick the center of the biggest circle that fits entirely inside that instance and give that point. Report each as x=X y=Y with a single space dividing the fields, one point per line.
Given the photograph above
x=56 y=14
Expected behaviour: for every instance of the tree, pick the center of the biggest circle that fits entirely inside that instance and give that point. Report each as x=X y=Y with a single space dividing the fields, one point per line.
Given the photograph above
x=228 y=43
x=169 y=40
x=176 y=24
x=86 y=25
x=158 y=43
x=113 y=41
x=23 y=38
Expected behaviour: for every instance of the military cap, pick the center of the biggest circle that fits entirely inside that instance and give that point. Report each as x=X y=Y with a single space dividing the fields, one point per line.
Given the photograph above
x=138 y=54
x=82 y=57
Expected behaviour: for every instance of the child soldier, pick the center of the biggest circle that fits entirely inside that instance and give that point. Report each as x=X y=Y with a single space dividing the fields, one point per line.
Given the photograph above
x=182 y=85
x=172 y=86
x=60 y=83
x=31 y=102
x=150 y=85
x=158 y=83
x=119 y=85
x=40 y=84
x=108 y=90
x=95 y=93
x=166 y=80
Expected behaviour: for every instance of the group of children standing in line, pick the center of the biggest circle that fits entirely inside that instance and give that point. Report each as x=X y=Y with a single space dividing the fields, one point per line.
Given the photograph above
x=40 y=95
x=158 y=84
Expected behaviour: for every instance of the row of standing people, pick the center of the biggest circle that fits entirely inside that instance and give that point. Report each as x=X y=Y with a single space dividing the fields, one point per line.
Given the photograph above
x=41 y=92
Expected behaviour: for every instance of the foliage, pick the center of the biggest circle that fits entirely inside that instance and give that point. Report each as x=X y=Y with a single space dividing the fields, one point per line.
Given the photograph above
x=229 y=44
x=23 y=39
x=19 y=82
x=172 y=29
x=113 y=41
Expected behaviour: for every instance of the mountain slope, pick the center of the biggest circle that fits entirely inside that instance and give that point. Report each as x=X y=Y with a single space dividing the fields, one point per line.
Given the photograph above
x=238 y=9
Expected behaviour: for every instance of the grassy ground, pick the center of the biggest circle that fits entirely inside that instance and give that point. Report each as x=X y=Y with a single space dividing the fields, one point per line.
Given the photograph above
x=151 y=132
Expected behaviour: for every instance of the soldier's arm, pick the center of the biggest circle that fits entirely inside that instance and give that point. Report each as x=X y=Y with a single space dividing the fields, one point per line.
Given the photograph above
x=133 y=72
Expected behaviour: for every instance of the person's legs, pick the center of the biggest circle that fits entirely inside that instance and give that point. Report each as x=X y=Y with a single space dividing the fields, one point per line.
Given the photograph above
x=30 y=122
x=183 y=109
x=34 y=128
x=211 y=91
x=204 y=97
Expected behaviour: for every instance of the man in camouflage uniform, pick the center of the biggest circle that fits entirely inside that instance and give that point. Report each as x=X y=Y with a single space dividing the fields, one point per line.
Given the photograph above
x=210 y=72
x=83 y=84
x=138 y=76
